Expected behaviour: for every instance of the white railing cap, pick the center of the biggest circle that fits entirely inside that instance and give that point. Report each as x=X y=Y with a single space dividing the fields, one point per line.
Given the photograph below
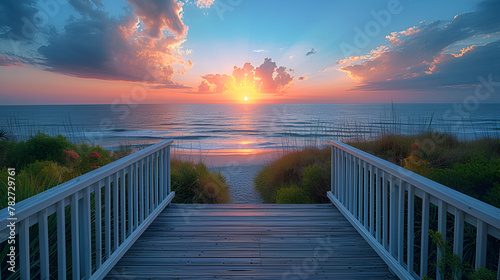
x=34 y=204
x=481 y=210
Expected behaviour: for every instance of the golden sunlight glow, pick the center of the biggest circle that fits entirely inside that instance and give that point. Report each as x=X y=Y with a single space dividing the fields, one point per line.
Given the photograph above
x=245 y=98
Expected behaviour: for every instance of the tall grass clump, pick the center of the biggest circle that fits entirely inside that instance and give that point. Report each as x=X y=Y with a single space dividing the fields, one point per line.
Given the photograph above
x=307 y=170
x=194 y=183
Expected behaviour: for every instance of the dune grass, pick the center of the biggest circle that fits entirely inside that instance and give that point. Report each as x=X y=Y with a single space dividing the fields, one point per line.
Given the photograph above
x=194 y=183
x=43 y=162
x=294 y=170
x=471 y=167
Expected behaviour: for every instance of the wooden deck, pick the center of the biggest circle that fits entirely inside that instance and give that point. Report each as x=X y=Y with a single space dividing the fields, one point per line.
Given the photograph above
x=251 y=242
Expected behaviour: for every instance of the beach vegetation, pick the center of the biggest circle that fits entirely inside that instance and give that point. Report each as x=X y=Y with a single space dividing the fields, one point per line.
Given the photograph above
x=43 y=162
x=471 y=167
x=194 y=183
x=294 y=195
x=307 y=169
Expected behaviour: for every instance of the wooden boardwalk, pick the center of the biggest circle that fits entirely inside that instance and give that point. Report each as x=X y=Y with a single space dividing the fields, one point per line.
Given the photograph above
x=242 y=241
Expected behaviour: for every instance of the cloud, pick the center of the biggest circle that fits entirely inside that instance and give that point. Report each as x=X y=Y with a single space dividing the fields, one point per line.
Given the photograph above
x=9 y=61
x=130 y=48
x=218 y=83
x=302 y=78
x=204 y=3
x=421 y=57
x=266 y=78
x=13 y=17
x=159 y=15
x=260 y=51
x=312 y=51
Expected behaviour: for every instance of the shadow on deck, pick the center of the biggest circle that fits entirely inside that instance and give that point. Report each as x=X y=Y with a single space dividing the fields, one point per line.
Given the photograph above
x=242 y=241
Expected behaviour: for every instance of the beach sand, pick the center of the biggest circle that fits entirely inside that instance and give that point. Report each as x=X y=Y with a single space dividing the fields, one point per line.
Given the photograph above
x=238 y=170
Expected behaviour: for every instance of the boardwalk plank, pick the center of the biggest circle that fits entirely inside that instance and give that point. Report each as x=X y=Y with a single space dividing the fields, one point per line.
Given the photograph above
x=257 y=241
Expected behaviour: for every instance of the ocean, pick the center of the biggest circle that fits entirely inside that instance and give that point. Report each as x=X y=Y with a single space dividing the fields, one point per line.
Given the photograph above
x=245 y=128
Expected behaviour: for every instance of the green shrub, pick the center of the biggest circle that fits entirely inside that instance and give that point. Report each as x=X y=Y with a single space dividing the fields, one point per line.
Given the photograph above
x=194 y=183
x=475 y=177
x=90 y=157
x=493 y=195
x=289 y=170
x=317 y=179
x=41 y=147
x=293 y=195
x=44 y=147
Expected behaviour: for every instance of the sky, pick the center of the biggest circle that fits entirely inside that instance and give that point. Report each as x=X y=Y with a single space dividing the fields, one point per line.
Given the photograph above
x=249 y=51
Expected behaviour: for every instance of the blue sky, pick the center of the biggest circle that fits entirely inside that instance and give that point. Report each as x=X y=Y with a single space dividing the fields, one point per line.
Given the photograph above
x=296 y=51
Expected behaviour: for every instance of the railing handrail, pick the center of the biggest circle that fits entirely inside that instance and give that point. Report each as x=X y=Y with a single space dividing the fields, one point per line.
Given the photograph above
x=467 y=204
x=30 y=206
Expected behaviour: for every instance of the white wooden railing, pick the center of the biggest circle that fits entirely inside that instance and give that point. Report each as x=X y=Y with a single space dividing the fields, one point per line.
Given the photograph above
x=376 y=195
x=123 y=197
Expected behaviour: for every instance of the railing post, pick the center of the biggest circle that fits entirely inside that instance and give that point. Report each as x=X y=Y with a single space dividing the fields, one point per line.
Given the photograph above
x=141 y=192
x=401 y=221
x=482 y=234
x=122 y=206
x=441 y=229
x=337 y=173
x=411 y=228
x=24 y=249
x=393 y=217
x=360 y=189
x=355 y=188
x=43 y=240
x=61 y=240
x=424 y=245
x=348 y=185
x=98 y=225
x=372 y=200
x=169 y=180
x=378 y=191
x=75 y=236
x=107 y=217
x=332 y=168
x=385 y=211
x=366 y=199
x=85 y=234
x=161 y=174
x=116 y=217
x=131 y=199
x=147 y=188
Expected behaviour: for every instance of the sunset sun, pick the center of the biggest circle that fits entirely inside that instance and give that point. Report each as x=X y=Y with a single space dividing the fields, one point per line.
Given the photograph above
x=245 y=98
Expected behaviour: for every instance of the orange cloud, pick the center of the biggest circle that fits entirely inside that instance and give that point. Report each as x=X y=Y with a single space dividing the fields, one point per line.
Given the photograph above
x=267 y=78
